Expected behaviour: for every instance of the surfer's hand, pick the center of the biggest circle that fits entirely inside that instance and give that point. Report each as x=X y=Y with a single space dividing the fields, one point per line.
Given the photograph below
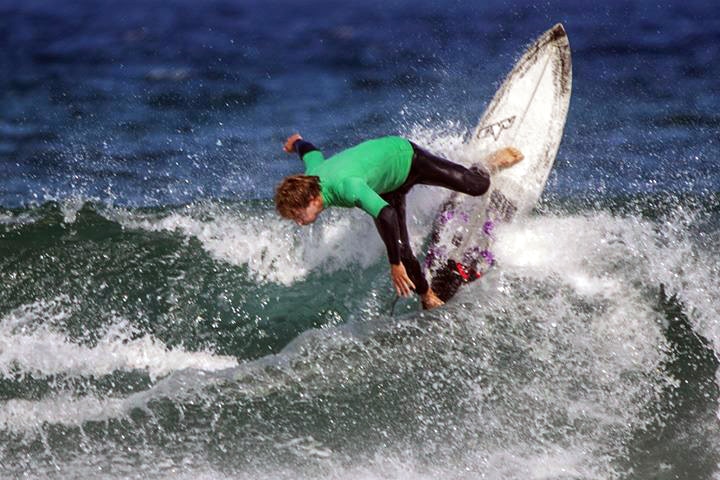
x=290 y=142
x=403 y=285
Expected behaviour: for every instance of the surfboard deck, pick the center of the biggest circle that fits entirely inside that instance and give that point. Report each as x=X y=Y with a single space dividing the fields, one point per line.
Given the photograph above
x=527 y=112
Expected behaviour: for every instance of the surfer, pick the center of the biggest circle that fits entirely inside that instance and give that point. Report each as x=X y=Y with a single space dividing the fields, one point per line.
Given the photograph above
x=375 y=176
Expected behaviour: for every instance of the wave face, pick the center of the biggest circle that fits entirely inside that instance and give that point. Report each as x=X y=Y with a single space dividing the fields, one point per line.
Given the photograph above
x=157 y=342
x=158 y=320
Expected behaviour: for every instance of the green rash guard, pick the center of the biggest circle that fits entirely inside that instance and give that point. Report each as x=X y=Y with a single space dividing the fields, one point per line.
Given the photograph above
x=356 y=177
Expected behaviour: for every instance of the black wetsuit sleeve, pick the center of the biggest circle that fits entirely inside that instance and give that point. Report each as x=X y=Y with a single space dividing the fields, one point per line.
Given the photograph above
x=302 y=147
x=389 y=229
x=308 y=153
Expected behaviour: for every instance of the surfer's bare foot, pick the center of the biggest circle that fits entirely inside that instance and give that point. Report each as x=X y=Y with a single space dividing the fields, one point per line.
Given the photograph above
x=505 y=158
x=430 y=300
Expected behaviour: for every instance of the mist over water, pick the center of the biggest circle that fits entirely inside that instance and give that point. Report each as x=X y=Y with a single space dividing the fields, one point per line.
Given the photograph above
x=159 y=320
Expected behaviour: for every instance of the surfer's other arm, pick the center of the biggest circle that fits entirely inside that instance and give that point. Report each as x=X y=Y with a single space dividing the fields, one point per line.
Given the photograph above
x=307 y=152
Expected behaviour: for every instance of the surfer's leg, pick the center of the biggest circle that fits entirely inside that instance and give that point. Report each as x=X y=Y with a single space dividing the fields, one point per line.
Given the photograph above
x=429 y=169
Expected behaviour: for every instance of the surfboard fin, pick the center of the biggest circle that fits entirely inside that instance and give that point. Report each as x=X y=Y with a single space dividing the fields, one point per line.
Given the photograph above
x=448 y=280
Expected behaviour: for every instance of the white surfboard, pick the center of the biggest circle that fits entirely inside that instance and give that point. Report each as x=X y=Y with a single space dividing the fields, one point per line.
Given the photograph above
x=528 y=112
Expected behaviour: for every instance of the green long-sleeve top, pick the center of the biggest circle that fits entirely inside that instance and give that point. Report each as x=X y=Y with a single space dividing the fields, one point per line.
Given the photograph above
x=356 y=177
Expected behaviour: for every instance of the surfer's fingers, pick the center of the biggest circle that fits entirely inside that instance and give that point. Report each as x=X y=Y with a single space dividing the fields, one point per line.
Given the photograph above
x=408 y=285
x=402 y=288
x=290 y=142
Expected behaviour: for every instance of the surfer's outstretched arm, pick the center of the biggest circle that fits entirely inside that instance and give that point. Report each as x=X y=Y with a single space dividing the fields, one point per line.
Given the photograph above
x=388 y=227
x=405 y=270
x=389 y=230
x=390 y=222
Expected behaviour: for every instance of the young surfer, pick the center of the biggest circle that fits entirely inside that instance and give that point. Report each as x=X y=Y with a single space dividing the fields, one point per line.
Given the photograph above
x=375 y=176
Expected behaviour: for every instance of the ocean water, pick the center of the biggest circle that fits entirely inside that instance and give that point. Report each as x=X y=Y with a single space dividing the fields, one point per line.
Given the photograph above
x=159 y=320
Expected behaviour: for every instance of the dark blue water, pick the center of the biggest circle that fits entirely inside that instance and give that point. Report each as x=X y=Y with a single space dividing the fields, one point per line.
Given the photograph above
x=152 y=103
x=158 y=320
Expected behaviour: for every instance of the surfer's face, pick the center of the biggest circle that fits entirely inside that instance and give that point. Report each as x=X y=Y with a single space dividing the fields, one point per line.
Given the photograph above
x=309 y=214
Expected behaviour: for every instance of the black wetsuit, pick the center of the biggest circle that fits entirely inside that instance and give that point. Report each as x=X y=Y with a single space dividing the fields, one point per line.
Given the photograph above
x=426 y=169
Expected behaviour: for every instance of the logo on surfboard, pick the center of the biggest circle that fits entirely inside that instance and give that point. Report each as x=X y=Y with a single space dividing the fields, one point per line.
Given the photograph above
x=495 y=129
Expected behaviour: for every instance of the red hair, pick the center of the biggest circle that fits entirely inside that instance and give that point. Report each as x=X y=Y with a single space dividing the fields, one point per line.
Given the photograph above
x=294 y=193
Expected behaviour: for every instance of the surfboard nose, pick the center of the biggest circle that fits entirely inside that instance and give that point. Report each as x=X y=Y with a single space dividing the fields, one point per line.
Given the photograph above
x=558 y=31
